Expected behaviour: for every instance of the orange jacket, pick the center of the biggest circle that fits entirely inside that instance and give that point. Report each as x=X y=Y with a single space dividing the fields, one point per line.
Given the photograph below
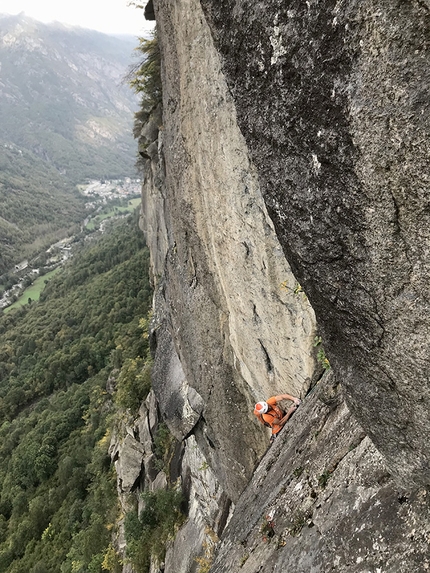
x=274 y=412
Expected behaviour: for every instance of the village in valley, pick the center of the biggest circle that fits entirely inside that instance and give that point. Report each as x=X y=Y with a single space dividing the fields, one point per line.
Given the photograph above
x=107 y=199
x=108 y=190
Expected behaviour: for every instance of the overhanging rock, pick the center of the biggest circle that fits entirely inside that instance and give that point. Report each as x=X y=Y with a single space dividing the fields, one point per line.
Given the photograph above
x=333 y=101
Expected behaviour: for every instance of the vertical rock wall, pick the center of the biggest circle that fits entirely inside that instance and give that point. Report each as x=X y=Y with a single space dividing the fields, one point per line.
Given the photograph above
x=231 y=323
x=330 y=98
x=333 y=101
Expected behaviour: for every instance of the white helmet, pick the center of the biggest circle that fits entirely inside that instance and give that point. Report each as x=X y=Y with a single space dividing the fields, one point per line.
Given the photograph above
x=261 y=407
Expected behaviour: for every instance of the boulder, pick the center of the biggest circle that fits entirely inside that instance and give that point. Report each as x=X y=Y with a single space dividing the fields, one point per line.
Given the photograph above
x=128 y=466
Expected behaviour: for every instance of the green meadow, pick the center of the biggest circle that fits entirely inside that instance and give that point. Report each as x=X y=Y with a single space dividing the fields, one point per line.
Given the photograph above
x=33 y=291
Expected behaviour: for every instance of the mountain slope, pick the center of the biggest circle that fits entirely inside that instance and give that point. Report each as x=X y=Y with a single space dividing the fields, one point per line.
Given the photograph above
x=37 y=205
x=65 y=116
x=57 y=494
x=62 y=97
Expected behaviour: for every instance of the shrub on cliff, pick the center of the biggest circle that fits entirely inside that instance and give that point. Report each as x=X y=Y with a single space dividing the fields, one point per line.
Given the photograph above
x=145 y=77
x=134 y=383
x=148 y=533
x=145 y=80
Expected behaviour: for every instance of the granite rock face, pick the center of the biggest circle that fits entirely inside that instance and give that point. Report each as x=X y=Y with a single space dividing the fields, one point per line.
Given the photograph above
x=333 y=101
x=185 y=467
x=297 y=113
x=322 y=500
x=231 y=324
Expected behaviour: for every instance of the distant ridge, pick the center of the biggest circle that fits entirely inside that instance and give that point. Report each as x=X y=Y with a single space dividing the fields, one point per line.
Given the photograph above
x=66 y=116
x=62 y=96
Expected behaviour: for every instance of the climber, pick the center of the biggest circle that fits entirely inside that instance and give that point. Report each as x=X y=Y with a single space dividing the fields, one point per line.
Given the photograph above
x=271 y=415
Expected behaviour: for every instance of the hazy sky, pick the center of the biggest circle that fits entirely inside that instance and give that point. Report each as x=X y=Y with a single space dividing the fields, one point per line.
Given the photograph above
x=108 y=16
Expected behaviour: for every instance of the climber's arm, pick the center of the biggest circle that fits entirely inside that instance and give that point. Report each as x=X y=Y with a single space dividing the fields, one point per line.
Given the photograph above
x=288 y=415
x=296 y=401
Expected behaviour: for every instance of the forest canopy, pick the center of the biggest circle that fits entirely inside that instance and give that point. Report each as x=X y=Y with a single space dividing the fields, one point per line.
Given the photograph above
x=58 y=499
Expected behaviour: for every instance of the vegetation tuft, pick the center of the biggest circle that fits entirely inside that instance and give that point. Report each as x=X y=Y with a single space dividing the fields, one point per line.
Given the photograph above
x=147 y=534
x=321 y=357
x=145 y=80
x=145 y=77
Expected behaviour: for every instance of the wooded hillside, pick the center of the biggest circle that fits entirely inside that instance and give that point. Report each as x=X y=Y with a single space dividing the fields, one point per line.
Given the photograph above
x=58 y=501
